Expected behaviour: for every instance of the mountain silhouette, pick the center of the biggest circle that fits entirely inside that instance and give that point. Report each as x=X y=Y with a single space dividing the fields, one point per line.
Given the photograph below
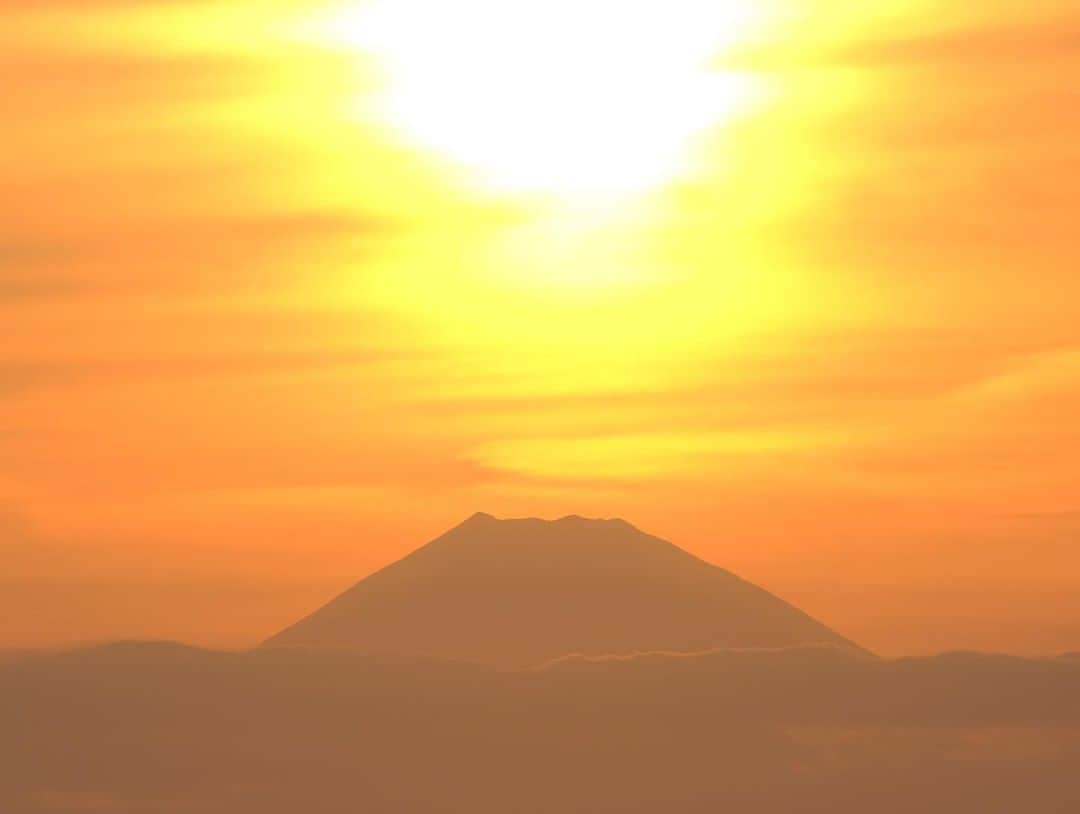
x=518 y=592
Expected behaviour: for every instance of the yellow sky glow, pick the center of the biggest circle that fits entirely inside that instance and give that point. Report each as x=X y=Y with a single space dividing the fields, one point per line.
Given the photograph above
x=572 y=100
x=289 y=286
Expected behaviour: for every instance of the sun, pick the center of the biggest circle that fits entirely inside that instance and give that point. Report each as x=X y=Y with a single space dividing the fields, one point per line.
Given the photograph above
x=575 y=99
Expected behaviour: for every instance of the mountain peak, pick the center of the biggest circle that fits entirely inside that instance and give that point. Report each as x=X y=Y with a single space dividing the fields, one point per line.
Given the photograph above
x=521 y=591
x=485 y=517
x=577 y=518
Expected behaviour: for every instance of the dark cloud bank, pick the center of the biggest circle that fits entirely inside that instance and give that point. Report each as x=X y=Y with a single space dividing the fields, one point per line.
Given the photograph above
x=162 y=727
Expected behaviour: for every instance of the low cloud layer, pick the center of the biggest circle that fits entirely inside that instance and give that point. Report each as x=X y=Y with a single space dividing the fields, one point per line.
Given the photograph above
x=137 y=727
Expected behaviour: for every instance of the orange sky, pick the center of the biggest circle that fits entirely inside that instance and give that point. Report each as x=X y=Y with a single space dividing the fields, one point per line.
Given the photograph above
x=288 y=288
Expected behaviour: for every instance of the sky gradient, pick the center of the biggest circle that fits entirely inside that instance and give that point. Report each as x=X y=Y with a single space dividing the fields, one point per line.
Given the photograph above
x=281 y=299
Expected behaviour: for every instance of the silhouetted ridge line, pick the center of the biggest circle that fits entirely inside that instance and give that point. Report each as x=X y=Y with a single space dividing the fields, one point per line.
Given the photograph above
x=524 y=591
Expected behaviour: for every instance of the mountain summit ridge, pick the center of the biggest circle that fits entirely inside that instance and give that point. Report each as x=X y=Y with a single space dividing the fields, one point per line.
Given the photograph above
x=522 y=591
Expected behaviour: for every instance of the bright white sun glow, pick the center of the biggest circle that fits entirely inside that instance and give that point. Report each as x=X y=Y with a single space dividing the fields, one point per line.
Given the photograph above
x=571 y=98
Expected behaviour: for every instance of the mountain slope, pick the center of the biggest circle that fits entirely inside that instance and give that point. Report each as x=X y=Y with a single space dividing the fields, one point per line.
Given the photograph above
x=518 y=592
